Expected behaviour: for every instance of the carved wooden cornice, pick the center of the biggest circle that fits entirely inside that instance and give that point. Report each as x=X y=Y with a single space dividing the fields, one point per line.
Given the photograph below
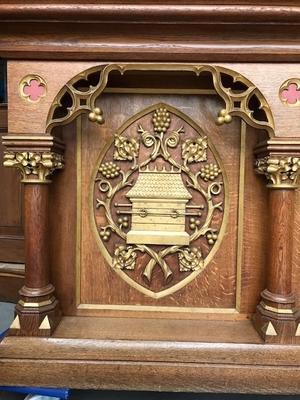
x=154 y=13
x=241 y=26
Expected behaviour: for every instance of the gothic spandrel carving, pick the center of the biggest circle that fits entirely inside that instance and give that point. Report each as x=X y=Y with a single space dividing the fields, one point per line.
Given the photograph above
x=159 y=201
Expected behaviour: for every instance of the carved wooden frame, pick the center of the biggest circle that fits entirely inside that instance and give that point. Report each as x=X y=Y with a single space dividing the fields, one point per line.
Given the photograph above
x=275 y=320
x=236 y=104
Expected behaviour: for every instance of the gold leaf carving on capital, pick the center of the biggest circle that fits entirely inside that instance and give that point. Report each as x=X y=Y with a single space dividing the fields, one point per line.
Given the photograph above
x=281 y=171
x=34 y=166
x=159 y=201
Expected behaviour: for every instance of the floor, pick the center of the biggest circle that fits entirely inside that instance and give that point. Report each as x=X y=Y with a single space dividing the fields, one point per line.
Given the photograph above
x=6 y=317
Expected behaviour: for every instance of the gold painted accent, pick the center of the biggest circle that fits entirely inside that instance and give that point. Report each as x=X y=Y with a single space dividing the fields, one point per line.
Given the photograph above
x=190 y=259
x=241 y=205
x=282 y=172
x=236 y=101
x=209 y=172
x=35 y=305
x=159 y=219
x=298 y=330
x=194 y=150
x=121 y=307
x=124 y=257
x=35 y=166
x=277 y=310
x=16 y=323
x=285 y=86
x=96 y=115
x=158 y=232
x=224 y=117
x=78 y=207
x=270 y=330
x=26 y=82
x=126 y=149
x=45 y=324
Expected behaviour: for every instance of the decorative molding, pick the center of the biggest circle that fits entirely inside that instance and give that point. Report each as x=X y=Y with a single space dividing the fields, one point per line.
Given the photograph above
x=16 y=323
x=143 y=12
x=44 y=303
x=289 y=92
x=79 y=95
x=45 y=324
x=269 y=329
x=32 y=88
x=35 y=166
x=277 y=310
x=281 y=171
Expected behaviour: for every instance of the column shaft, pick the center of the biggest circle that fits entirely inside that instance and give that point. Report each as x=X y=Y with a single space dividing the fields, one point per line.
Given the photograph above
x=36 y=241
x=281 y=205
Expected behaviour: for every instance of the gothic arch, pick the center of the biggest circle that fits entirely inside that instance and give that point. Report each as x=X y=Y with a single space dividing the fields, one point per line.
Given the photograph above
x=241 y=97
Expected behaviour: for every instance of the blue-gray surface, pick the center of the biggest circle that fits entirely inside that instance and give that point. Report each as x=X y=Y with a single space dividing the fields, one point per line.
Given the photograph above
x=6 y=315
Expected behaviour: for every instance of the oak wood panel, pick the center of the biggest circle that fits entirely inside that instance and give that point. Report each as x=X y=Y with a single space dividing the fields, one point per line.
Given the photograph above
x=11 y=206
x=157 y=329
x=225 y=352
x=215 y=286
x=62 y=226
x=255 y=229
x=222 y=13
x=264 y=36
x=55 y=75
x=187 y=377
x=286 y=118
x=296 y=249
x=57 y=42
x=97 y=287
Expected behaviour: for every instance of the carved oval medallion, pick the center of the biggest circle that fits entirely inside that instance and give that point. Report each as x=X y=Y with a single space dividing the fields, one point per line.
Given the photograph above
x=159 y=201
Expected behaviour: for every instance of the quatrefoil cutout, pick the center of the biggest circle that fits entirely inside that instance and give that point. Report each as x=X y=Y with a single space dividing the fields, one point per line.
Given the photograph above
x=32 y=88
x=290 y=92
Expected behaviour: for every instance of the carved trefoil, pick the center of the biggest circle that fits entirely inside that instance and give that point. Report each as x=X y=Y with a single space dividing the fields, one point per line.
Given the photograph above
x=159 y=201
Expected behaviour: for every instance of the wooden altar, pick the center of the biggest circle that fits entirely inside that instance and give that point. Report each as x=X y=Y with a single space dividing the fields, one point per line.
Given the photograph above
x=160 y=157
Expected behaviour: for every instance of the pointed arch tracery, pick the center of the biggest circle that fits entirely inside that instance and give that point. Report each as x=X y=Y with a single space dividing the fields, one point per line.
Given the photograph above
x=240 y=96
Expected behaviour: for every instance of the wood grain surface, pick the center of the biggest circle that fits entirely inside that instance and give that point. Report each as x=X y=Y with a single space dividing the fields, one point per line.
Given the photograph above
x=286 y=118
x=215 y=352
x=189 y=364
x=244 y=31
x=11 y=206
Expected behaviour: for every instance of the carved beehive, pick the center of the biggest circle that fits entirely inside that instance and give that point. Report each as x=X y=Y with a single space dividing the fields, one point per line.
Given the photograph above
x=158 y=209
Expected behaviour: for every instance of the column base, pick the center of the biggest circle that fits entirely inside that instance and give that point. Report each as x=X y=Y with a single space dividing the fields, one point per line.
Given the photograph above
x=37 y=312
x=276 y=320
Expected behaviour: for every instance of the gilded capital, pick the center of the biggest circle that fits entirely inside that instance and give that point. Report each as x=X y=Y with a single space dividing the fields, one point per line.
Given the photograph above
x=35 y=166
x=281 y=172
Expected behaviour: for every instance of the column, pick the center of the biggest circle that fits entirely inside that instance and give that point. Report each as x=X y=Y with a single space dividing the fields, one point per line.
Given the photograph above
x=276 y=318
x=37 y=311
